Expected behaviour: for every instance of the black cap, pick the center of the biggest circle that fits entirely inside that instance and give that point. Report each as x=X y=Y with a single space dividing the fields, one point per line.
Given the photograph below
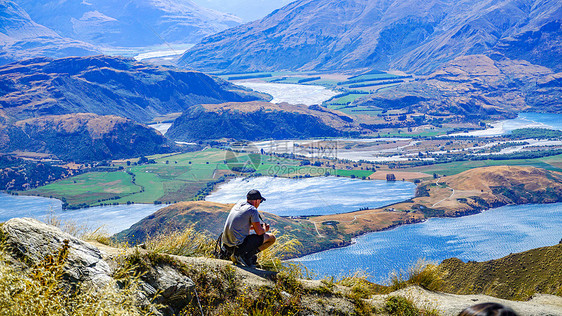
x=254 y=195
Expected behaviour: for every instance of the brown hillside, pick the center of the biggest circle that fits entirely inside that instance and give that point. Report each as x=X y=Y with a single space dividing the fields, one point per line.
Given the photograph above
x=335 y=119
x=466 y=193
x=517 y=276
x=486 y=178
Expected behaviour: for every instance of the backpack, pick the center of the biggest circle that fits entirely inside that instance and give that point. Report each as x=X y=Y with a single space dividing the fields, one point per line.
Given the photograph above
x=221 y=251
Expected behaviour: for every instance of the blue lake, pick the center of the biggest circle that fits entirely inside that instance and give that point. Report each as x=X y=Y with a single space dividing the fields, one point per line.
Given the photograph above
x=489 y=235
x=315 y=196
x=112 y=219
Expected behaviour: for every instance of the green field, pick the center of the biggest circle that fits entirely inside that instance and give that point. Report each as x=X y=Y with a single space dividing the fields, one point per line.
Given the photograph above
x=182 y=177
x=173 y=178
x=170 y=179
x=346 y=99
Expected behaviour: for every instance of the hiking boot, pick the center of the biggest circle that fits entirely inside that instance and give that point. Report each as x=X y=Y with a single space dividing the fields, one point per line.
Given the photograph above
x=238 y=259
x=254 y=260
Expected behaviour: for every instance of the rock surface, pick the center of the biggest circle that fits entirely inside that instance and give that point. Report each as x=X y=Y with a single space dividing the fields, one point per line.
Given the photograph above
x=31 y=239
x=451 y=304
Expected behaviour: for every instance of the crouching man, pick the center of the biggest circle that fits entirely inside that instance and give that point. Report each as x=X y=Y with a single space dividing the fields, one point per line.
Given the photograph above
x=238 y=236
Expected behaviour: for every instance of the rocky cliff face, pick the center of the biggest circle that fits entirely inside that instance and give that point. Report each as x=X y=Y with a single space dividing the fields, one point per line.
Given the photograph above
x=83 y=137
x=106 y=86
x=129 y=23
x=22 y=38
x=413 y=35
x=259 y=120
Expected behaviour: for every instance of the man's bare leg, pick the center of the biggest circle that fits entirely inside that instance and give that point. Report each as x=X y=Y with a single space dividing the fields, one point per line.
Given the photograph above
x=268 y=240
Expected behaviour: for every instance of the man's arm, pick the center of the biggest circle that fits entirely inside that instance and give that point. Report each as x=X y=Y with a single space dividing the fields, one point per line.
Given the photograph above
x=259 y=229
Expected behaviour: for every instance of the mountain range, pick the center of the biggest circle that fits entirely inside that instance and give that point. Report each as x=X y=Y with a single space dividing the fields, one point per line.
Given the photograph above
x=22 y=38
x=128 y=23
x=107 y=86
x=248 y=10
x=415 y=36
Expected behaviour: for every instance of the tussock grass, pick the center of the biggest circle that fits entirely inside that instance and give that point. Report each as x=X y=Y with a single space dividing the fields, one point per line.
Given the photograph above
x=42 y=290
x=285 y=245
x=70 y=227
x=423 y=273
x=187 y=242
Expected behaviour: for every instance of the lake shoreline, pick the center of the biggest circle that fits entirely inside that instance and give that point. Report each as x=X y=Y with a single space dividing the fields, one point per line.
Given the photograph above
x=434 y=200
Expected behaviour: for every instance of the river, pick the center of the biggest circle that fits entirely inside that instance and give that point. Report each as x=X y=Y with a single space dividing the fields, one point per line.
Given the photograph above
x=291 y=93
x=111 y=219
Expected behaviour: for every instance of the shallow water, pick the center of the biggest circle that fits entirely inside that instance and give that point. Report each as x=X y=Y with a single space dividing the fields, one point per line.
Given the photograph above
x=315 y=196
x=524 y=120
x=291 y=93
x=111 y=219
x=489 y=235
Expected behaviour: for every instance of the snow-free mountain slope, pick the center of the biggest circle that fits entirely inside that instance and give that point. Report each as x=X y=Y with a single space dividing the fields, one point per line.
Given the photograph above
x=22 y=38
x=136 y=23
x=410 y=35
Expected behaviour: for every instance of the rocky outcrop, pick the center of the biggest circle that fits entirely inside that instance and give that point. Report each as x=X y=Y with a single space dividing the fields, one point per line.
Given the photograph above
x=31 y=241
x=171 y=288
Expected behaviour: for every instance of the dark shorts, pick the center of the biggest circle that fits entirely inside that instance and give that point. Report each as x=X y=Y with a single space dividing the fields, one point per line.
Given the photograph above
x=250 y=245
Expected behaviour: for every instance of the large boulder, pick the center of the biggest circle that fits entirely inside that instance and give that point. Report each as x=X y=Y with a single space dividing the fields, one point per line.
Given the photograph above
x=29 y=242
x=32 y=241
x=174 y=289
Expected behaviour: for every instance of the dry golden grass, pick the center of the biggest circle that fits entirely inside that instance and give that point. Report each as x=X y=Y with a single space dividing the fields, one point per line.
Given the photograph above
x=423 y=273
x=41 y=290
x=187 y=242
x=285 y=245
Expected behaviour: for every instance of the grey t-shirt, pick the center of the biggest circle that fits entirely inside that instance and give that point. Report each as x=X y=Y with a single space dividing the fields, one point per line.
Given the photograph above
x=238 y=223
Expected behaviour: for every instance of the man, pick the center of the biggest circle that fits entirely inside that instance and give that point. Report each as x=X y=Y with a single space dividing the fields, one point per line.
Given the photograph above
x=237 y=236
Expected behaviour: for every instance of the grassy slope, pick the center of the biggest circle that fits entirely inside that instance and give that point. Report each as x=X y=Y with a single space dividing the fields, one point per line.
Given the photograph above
x=516 y=276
